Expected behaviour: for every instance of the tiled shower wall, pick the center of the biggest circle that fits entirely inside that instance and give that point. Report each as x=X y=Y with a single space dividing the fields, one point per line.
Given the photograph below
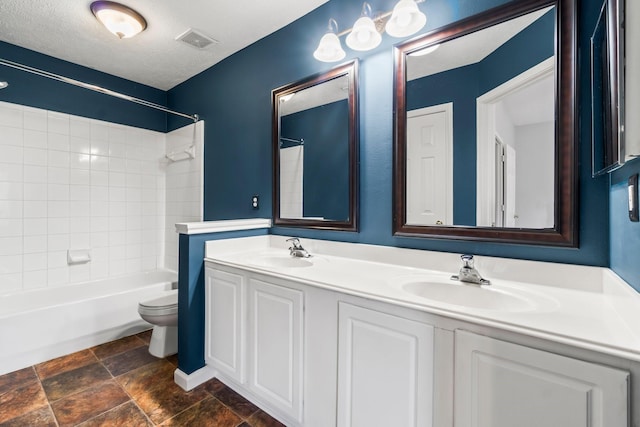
x=184 y=178
x=68 y=182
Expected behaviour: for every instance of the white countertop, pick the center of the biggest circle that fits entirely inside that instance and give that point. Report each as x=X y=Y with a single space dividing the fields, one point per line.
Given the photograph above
x=586 y=307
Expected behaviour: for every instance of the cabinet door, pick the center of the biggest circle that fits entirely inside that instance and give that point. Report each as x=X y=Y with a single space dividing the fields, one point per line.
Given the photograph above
x=224 y=328
x=500 y=384
x=385 y=369
x=275 y=345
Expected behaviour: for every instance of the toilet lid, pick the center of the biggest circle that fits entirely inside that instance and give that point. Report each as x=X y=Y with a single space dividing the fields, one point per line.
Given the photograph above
x=166 y=299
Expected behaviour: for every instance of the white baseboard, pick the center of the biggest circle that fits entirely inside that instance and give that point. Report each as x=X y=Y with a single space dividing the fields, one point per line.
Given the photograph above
x=190 y=381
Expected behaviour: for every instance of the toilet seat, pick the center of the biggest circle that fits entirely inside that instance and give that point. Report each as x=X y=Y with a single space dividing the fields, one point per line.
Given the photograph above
x=163 y=305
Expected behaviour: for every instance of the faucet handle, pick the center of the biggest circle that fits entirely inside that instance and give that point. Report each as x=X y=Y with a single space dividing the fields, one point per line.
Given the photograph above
x=295 y=242
x=467 y=260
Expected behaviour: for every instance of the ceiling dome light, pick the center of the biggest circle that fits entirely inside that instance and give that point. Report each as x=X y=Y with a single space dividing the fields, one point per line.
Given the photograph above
x=330 y=49
x=364 y=35
x=4 y=85
x=121 y=20
x=406 y=19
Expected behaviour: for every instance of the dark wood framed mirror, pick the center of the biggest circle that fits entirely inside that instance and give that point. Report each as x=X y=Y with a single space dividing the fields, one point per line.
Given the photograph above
x=315 y=151
x=485 y=128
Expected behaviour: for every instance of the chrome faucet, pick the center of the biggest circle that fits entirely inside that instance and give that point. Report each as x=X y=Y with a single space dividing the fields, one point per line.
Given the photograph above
x=296 y=250
x=468 y=273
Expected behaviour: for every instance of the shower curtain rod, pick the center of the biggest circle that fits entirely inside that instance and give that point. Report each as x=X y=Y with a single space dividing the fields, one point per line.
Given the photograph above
x=94 y=88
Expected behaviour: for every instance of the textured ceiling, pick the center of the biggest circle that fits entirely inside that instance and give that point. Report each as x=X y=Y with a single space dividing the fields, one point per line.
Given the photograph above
x=66 y=29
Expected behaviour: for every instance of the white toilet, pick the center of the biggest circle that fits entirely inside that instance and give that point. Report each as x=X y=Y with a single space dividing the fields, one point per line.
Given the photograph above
x=162 y=312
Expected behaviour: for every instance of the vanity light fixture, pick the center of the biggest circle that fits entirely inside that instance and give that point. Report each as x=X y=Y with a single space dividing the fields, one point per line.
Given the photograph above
x=330 y=49
x=4 y=85
x=405 y=19
x=119 y=19
x=364 y=35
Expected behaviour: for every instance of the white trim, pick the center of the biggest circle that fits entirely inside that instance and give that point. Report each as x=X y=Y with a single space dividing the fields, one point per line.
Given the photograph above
x=190 y=381
x=486 y=132
x=221 y=226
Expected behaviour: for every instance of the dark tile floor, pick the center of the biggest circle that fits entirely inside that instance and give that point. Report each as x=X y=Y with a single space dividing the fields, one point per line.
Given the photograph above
x=119 y=384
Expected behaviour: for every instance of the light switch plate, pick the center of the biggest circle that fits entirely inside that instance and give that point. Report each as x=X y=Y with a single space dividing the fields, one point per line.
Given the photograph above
x=633 y=198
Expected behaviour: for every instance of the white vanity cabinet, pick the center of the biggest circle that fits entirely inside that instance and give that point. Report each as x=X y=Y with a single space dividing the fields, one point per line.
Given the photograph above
x=254 y=338
x=225 y=323
x=275 y=339
x=385 y=369
x=501 y=384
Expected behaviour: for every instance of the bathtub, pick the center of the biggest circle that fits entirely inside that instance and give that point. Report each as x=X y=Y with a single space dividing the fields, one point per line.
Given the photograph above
x=39 y=325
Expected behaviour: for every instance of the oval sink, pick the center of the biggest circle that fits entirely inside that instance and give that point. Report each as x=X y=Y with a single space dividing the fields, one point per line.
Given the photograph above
x=479 y=297
x=283 y=262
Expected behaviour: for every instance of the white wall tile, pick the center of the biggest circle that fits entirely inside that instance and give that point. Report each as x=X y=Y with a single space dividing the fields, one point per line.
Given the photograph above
x=58 y=191
x=58 y=226
x=79 y=145
x=58 y=276
x=11 y=154
x=80 y=161
x=11 y=191
x=57 y=123
x=11 y=245
x=100 y=148
x=99 y=178
x=35 y=156
x=35 y=209
x=79 y=177
x=99 y=131
x=34 y=174
x=10 y=283
x=57 y=209
x=71 y=182
x=35 y=191
x=11 y=209
x=35 y=261
x=57 y=242
x=79 y=127
x=36 y=243
x=11 y=115
x=79 y=209
x=11 y=136
x=58 y=159
x=34 y=279
x=56 y=259
x=58 y=142
x=10 y=264
x=35 y=119
x=11 y=172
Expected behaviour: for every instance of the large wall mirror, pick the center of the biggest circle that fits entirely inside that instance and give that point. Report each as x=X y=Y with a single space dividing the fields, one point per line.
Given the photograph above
x=484 y=143
x=315 y=148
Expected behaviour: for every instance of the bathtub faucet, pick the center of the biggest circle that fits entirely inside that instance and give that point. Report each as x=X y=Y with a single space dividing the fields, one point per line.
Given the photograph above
x=468 y=273
x=296 y=250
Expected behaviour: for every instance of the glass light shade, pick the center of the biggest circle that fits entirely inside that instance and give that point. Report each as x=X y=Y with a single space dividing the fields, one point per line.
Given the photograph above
x=329 y=49
x=405 y=20
x=364 y=35
x=122 y=21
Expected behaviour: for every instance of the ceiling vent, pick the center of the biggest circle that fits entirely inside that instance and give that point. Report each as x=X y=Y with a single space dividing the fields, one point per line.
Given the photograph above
x=195 y=39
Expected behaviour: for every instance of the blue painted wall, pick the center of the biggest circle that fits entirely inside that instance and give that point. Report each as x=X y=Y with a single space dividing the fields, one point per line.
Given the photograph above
x=234 y=98
x=41 y=92
x=325 y=130
x=625 y=235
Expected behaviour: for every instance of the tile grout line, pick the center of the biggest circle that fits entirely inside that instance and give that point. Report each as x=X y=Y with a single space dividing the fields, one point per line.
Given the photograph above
x=131 y=399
